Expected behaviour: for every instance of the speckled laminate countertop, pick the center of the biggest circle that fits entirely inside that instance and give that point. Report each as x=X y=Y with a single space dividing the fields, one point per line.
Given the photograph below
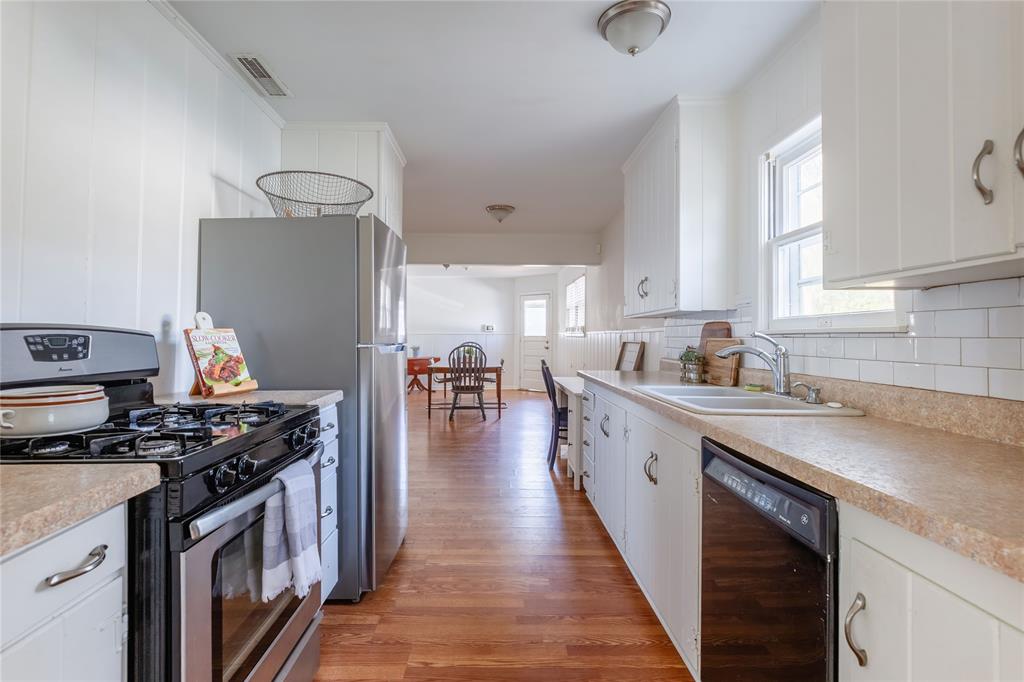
x=37 y=500
x=319 y=397
x=914 y=477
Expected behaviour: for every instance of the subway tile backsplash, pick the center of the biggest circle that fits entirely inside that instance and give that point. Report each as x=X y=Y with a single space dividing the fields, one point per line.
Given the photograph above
x=966 y=338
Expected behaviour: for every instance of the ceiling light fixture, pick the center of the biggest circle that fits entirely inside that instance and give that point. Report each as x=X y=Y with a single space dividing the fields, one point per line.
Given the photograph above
x=500 y=211
x=632 y=26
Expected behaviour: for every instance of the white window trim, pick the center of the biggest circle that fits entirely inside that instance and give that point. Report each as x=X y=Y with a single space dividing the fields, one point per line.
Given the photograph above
x=790 y=149
x=582 y=329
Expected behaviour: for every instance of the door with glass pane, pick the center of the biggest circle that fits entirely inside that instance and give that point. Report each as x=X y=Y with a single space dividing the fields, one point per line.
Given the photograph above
x=534 y=339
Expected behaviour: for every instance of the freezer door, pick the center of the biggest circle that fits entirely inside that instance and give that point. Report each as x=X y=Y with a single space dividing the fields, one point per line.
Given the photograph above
x=383 y=391
x=381 y=283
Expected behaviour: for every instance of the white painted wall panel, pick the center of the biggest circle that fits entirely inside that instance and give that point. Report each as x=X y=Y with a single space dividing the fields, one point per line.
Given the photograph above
x=119 y=134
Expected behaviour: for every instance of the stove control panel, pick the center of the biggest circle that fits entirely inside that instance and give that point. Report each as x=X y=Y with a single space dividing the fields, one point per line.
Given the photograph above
x=58 y=347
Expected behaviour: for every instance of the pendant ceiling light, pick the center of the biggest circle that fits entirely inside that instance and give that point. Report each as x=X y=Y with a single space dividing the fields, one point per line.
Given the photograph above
x=632 y=26
x=500 y=211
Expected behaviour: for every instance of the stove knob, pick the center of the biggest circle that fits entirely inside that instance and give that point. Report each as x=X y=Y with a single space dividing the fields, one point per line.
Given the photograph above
x=223 y=478
x=246 y=468
x=313 y=431
x=298 y=438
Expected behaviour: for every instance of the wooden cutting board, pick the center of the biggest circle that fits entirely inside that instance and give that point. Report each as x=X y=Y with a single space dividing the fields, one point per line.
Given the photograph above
x=721 y=371
x=713 y=330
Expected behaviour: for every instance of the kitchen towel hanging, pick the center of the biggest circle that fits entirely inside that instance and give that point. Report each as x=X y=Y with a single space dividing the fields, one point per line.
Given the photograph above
x=290 y=522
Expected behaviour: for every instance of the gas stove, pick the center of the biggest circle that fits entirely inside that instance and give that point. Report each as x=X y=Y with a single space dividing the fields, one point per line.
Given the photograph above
x=181 y=438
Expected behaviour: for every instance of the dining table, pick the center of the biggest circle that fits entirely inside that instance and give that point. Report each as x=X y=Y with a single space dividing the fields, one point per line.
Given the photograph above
x=442 y=369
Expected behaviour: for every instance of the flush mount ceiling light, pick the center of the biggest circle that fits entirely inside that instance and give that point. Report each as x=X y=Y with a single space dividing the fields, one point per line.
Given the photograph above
x=500 y=211
x=632 y=26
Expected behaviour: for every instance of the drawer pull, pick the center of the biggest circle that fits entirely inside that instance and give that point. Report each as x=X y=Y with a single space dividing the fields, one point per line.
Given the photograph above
x=604 y=424
x=983 y=190
x=329 y=462
x=858 y=605
x=327 y=512
x=586 y=474
x=586 y=399
x=98 y=554
x=586 y=418
x=586 y=442
x=329 y=426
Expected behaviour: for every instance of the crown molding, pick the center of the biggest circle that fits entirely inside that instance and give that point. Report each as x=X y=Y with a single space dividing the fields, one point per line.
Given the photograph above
x=217 y=59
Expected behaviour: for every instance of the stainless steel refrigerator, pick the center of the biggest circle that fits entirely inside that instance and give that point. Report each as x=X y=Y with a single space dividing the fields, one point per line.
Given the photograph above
x=320 y=303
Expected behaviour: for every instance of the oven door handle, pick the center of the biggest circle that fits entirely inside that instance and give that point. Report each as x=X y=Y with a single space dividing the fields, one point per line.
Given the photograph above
x=208 y=523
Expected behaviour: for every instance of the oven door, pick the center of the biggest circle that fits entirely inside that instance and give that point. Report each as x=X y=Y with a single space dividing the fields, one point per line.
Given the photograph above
x=227 y=633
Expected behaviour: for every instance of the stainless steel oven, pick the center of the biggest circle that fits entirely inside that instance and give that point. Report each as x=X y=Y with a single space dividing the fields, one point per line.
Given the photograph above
x=225 y=631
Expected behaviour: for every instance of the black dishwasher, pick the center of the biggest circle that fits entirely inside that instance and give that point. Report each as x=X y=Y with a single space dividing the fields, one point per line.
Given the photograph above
x=768 y=574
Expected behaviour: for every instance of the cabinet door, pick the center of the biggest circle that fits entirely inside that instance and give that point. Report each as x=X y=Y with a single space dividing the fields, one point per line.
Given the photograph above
x=640 y=499
x=632 y=242
x=689 y=562
x=83 y=643
x=609 y=459
x=881 y=628
x=983 y=73
x=669 y=528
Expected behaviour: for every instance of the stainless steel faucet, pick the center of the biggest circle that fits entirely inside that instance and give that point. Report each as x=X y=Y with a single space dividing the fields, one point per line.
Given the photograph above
x=779 y=363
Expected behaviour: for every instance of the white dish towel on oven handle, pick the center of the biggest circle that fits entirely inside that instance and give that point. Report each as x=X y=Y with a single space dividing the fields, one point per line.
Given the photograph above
x=290 y=523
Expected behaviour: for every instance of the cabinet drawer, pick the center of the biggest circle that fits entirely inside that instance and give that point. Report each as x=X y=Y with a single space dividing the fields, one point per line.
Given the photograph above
x=329 y=460
x=328 y=504
x=329 y=424
x=329 y=561
x=28 y=600
x=587 y=446
x=589 y=481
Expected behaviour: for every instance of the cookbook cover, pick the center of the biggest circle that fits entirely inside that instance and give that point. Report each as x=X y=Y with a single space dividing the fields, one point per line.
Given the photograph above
x=218 y=361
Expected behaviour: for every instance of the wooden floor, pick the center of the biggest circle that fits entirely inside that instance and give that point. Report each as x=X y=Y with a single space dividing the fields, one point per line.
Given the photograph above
x=506 y=572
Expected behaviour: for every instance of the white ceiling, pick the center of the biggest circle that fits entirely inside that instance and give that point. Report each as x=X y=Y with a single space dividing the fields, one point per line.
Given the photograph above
x=482 y=271
x=497 y=102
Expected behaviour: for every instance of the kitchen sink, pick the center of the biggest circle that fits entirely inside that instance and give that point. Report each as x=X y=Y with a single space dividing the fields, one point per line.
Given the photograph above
x=736 y=401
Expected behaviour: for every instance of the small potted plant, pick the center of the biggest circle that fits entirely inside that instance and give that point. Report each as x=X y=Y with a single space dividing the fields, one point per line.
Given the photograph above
x=691 y=365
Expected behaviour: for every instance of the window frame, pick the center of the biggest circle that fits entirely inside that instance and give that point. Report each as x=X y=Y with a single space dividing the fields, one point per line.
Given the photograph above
x=772 y=211
x=581 y=329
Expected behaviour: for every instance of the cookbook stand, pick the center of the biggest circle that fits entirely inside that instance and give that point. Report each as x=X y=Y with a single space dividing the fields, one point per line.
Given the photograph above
x=201 y=387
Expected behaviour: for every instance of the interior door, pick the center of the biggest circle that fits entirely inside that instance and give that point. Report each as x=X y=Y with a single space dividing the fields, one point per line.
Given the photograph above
x=534 y=339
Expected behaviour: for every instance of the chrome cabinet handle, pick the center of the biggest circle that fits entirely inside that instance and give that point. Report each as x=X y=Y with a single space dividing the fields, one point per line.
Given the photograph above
x=603 y=423
x=638 y=292
x=647 y=464
x=984 y=191
x=585 y=399
x=654 y=463
x=586 y=418
x=858 y=605
x=586 y=442
x=327 y=427
x=329 y=462
x=1018 y=153
x=586 y=474
x=327 y=512
x=643 y=284
x=98 y=554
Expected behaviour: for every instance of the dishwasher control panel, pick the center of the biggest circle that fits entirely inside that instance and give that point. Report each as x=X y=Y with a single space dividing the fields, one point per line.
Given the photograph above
x=802 y=519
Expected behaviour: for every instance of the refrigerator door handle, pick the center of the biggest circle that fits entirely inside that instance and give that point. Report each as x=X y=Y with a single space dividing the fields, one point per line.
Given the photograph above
x=382 y=347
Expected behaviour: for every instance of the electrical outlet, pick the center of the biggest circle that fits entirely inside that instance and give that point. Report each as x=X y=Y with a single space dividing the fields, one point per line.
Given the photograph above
x=488 y=327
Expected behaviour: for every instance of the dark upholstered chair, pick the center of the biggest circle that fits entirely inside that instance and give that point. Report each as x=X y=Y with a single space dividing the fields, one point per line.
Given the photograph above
x=466 y=375
x=559 y=416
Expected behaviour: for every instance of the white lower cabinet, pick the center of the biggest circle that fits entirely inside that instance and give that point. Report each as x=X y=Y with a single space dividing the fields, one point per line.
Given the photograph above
x=329 y=506
x=648 y=497
x=74 y=629
x=927 y=613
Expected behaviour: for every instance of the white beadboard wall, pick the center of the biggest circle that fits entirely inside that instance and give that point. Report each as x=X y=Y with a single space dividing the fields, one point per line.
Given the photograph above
x=600 y=350
x=966 y=338
x=118 y=135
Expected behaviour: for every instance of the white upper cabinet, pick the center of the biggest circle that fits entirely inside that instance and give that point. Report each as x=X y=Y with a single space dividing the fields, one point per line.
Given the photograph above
x=911 y=93
x=676 y=227
x=367 y=152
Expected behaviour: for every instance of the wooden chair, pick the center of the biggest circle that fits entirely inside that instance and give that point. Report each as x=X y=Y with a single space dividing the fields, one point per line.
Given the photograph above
x=559 y=416
x=466 y=365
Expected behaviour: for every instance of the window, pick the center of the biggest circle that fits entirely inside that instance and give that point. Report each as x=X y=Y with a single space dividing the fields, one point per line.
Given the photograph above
x=535 y=316
x=576 y=305
x=792 y=218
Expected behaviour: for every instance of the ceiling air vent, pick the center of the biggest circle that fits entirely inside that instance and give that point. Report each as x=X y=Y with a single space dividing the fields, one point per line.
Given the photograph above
x=266 y=83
